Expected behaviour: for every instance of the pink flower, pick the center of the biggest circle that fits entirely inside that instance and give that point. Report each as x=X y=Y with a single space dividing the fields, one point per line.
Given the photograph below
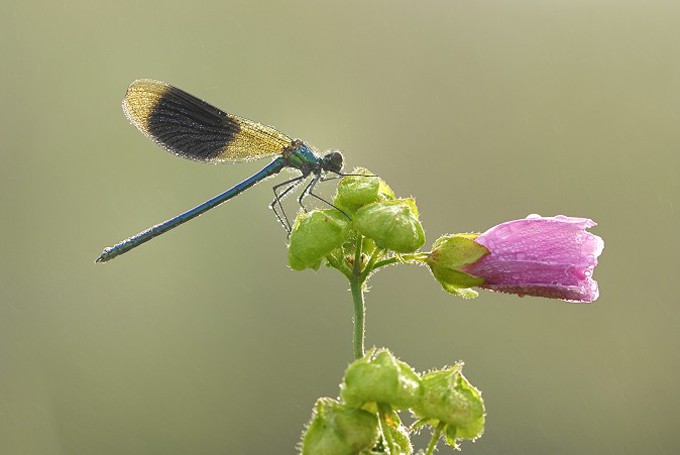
x=551 y=257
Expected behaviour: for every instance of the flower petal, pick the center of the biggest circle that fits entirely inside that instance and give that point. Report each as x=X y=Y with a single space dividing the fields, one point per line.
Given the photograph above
x=550 y=257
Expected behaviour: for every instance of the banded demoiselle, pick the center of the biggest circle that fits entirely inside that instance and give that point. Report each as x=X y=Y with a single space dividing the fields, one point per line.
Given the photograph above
x=193 y=129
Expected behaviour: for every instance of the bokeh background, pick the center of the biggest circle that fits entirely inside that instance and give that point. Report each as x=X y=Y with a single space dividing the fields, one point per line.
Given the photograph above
x=203 y=341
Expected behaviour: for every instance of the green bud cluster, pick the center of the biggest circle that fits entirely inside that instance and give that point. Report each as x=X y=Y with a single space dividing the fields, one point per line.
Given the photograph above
x=367 y=207
x=375 y=387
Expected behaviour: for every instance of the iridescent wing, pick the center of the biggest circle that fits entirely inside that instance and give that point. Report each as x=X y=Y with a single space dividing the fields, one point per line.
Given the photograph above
x=193 y=129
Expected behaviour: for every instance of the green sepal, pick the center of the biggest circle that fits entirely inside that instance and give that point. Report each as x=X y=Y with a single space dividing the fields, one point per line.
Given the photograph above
x=448 y=397
x=339 y=429
x=449 y=254
x=314 y=236
x=457 y=250
x=356 y=191
x=379 y=378
x=458 y=283
x=393 y=225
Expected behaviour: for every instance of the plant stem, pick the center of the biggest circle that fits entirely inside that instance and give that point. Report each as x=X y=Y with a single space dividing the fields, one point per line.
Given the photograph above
x=435 y=437
x=401 y=258
x=357 y=284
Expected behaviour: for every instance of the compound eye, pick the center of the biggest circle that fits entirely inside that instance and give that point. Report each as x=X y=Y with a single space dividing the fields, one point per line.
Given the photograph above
x=336 y=161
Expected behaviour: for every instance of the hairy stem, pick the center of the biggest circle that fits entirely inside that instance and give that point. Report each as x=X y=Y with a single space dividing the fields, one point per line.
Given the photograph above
x=357 y=286
x=401 y=258
x=435 y=437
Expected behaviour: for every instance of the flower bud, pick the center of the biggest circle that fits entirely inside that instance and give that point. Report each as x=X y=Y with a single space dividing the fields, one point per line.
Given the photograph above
x=379 y=377
x=449 y=398
x=337 y=429
x=551 y=257
x=314 y=235
x=394 y=225
x=355 y=191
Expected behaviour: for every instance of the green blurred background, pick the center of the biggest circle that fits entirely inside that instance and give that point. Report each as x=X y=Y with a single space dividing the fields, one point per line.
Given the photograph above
x=205 y=342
